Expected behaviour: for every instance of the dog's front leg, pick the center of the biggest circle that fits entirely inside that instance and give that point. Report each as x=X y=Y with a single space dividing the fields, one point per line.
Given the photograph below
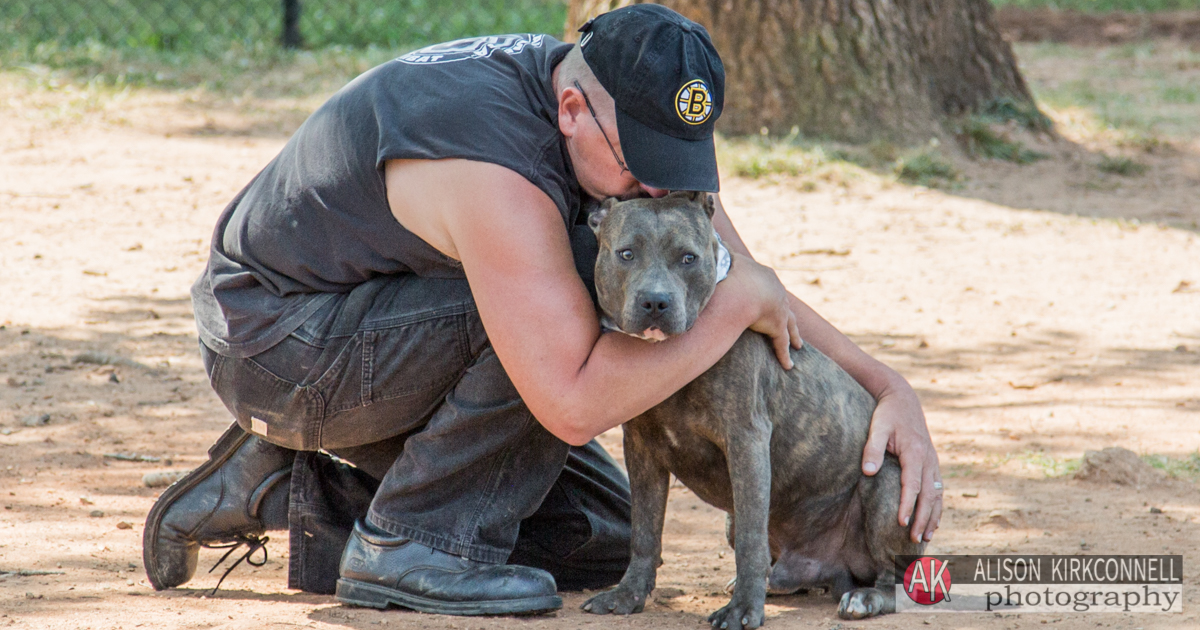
x=748 y=451
x=649 y=482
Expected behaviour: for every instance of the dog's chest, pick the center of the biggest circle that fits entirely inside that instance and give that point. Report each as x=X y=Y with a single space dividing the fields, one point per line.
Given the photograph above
x=692 y=451
x=816 y=418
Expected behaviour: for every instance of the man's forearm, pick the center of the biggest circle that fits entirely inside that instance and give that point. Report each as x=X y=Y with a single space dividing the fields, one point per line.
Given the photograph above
x=877 y=378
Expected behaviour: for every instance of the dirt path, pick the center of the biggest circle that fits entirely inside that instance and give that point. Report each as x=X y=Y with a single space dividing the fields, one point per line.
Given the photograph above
x=1110 y=27
x=1031 y=335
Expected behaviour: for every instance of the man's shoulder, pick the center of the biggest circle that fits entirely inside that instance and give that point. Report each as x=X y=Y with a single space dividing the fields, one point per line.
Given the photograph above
x=500 y=59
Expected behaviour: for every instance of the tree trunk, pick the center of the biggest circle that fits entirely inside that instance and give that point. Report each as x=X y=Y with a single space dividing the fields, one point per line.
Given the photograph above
x=853 y=70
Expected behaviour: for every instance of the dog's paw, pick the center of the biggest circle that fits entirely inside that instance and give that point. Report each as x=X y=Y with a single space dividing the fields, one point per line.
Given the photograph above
x=861 y=603
x=738 y=615
x=617 y=601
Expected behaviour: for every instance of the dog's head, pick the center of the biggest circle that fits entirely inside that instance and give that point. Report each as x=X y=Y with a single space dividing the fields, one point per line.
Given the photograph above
x=657 y=265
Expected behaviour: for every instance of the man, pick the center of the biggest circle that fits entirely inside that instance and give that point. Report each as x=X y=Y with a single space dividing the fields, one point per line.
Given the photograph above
x=402 y=287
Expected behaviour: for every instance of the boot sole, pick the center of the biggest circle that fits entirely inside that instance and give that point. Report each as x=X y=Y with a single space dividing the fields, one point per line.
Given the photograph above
x=359 y=593
x=225 y=447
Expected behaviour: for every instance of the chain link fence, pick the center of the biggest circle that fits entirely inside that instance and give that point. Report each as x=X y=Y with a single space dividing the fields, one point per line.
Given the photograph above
x=213 y=24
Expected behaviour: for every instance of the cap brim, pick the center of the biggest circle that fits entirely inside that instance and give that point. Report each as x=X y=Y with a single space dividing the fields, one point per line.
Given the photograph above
x=663 y=161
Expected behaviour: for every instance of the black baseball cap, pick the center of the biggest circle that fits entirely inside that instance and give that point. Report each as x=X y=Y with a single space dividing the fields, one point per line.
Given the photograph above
x=668 y=84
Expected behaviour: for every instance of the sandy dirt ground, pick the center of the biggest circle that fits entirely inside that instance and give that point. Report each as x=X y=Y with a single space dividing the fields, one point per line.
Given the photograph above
x=1040 y=25
x=1032 y=330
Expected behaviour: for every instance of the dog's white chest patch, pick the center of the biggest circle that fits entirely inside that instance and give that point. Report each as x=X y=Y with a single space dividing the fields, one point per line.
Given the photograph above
x=724 y=260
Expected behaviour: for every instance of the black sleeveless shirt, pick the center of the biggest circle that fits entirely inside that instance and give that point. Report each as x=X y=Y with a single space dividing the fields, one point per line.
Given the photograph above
x=316 y=221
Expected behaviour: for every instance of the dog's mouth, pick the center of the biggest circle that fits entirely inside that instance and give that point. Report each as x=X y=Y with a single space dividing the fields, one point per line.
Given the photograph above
x=653 y=333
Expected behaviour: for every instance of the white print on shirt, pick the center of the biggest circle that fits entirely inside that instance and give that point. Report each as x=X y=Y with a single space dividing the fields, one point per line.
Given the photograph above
x=473 y=48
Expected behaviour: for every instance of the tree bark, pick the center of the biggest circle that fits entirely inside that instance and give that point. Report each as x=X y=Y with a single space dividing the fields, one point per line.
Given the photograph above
x=852 y=70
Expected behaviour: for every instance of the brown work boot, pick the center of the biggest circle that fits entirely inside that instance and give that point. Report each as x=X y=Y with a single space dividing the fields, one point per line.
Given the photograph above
x=229 y=501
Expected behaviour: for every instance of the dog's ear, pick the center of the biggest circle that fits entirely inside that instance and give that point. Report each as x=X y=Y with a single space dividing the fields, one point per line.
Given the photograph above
x=597 y=215
x=706 y=200
x=696 y=196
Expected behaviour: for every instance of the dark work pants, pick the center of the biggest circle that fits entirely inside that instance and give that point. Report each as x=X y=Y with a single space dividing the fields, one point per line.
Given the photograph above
x=397 y=377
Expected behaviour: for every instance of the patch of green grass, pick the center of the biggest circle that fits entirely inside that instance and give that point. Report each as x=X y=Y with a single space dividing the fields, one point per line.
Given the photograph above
x=1073 y=92
x=777 y=161
x=790 y=156
x=1181 y=94
x=953 y=471
x=882 y=151
x=118 y=44
x=210 y=25
x=240 y=71
x=1145 y=144
x=1147 y=89
x=1026 y=114
x=810 y=163
x=1098 y=6
x=232 y=48
x=1121 y=165
x=980 y=139
x=1049 y=465
x=1184 y=468
x=924 y=168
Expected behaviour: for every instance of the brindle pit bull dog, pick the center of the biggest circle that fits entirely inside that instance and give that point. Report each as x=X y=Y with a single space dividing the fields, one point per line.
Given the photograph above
x=780 y=451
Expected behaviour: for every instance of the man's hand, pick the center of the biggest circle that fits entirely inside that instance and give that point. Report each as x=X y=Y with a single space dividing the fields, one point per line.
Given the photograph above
x=776 y=319
x=898 y=426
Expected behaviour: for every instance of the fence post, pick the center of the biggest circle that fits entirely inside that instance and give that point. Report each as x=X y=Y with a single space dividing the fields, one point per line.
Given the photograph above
x=291 y=24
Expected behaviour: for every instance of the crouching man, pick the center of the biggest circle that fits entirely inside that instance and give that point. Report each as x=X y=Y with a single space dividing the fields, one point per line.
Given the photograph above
x=396 y=310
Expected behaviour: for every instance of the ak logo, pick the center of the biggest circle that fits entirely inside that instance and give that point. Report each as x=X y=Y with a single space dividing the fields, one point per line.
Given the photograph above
x=472 y=48
x=927 y=581
x=694 y=102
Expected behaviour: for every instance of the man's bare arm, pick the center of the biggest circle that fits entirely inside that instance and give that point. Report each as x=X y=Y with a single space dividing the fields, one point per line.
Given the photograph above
x=898 y=424
x=513 y=245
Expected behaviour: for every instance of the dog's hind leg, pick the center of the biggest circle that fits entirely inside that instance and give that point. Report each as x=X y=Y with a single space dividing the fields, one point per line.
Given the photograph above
x=867 y=602
x=885 y=539
x=861 y=603
x=650 y=482
x=748 y=451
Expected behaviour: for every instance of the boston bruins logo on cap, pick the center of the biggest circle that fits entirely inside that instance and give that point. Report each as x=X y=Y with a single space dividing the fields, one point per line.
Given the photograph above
x=694 y=102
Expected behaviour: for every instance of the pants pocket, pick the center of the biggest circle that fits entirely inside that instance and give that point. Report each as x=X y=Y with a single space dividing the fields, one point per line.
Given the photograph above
x=394 y=379
x=283 y=412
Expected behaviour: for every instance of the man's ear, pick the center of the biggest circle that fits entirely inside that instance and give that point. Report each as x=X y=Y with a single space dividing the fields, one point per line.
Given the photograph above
x=597 y=215
x=570 y=110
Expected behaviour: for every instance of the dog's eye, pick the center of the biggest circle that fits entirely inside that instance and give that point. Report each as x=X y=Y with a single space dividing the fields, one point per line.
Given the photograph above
x=689 y=259
x=626 y=254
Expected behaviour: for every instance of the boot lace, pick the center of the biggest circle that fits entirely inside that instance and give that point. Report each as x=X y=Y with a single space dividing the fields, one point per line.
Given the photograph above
x=255 y=544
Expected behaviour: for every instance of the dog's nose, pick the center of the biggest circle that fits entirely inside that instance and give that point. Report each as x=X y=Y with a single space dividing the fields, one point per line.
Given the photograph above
x=655 y=304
